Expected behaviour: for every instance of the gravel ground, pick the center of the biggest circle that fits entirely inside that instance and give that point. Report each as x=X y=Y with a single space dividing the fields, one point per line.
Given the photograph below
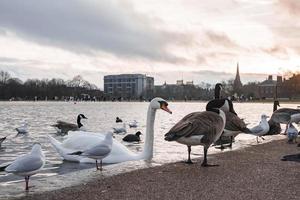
x=256 y=172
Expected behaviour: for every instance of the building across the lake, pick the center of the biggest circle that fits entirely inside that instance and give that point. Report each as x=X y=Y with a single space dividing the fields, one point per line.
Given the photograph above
x=271 y=89
x=129 y=86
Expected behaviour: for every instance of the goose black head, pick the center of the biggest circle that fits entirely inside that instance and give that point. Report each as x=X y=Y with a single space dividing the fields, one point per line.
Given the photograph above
x=231 y=109
x=218 y=89
x=215 y=110
x=82 y=116
x=79 y=117
x=276 y=103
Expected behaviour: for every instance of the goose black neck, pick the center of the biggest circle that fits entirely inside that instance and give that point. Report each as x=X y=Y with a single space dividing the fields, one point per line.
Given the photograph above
x=79 y=121
x=275 y=105
x=217 y=92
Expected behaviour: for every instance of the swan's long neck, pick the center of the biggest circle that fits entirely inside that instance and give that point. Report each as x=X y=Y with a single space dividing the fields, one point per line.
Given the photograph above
x=148 y=147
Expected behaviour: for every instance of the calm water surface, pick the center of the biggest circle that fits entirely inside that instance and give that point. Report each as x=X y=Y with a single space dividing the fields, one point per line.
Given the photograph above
x=101 y=117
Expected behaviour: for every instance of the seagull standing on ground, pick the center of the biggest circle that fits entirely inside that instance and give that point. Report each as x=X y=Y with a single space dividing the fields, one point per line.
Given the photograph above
x=98 y=151
x=262 y=128
x=29 y=164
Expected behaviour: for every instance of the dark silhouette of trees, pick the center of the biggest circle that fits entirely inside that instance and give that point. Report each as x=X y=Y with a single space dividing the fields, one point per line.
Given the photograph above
x=45 y=89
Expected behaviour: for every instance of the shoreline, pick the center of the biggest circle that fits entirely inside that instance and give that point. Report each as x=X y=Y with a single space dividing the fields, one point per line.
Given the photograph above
x=254 y=172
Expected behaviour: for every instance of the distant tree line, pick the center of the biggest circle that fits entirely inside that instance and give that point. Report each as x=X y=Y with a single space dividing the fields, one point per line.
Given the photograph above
x=47 y=89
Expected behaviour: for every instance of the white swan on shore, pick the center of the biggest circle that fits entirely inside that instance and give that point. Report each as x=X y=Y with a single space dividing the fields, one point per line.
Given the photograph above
x=79 y=141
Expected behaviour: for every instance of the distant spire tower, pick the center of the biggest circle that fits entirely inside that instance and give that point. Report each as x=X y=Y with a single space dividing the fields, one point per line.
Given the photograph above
x=237 y=84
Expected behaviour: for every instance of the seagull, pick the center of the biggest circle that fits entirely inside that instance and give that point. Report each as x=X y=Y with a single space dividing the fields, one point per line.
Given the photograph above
x=121 y=130
x=133 y=124
x=262 y=128
x=22 y=129
x=292 y=133
x=29 y=164
x=98 y=151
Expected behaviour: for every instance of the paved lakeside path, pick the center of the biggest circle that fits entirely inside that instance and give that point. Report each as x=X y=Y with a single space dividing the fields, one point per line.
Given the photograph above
x=256 y=172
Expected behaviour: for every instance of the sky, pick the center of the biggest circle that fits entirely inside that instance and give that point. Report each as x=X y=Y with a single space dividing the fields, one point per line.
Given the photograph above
x=194 y=40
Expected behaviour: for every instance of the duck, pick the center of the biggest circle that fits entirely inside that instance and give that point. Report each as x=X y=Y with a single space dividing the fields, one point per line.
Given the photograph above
x=118 y=120
x=262 y=128
x=234 y=125
x=198 y=128
x=23 y=129
x=28 y=164
x=133 y=137
x=80 y=140
x=224 y=104
x=64 y=127
x=98 y=151
x=133 y=124
x=120 y=130
x=285 y=115
x=292 y=133
x=2 y=140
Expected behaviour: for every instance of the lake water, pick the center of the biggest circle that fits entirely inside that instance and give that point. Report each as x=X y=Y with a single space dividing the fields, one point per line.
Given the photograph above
x=101 y=117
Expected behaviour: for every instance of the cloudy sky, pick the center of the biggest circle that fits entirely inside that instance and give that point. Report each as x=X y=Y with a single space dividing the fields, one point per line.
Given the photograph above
x=195 y=40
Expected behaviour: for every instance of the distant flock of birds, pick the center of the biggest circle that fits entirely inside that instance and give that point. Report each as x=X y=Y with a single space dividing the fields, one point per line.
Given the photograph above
x=198 y=128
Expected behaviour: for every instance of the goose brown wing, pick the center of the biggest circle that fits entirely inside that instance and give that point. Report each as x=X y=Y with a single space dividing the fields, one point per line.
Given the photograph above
x=234 y=123
x=198 y=123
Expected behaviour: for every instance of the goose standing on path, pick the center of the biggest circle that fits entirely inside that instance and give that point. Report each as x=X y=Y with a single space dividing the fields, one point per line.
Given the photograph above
x=234 y=126
x=98 y=151
x=133 y=137
x=2 y=140
x=198 y=128
x=285 y=115
x=262 y=128
x=275 y=127
x=223 y=104
x=29 y=164
x=64 y=127
x=79 y=140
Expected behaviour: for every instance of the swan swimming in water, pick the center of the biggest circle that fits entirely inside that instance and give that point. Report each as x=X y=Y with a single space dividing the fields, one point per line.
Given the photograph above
x=79 y=141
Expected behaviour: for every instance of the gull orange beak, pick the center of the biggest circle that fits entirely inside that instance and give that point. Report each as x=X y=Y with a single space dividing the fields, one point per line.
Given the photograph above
x=165 y=108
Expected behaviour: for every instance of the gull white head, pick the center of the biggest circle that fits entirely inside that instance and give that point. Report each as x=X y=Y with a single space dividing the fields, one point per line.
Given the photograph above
x=159 y=103
x=264 y=116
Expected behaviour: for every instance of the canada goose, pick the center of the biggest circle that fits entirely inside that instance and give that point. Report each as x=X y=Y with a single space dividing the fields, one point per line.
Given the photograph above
x=118 y=120
x=234 y=125
x=98 y=151
x=223 y=104
x=133 y=137
x=275 y=127
x=2 y=140
x=64 y=127
x=29 y=164
x=292 y=133
x=285 y=115
x=262 y=128
x=198 y=128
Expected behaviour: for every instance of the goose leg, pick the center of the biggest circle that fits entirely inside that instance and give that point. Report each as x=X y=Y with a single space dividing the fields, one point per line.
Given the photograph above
x=262 y=138
x=189 y=161
x=97 y=167
x=26 y=182
x=100 y=165
x=257 y=139
x=231 y=140
x=204 y=163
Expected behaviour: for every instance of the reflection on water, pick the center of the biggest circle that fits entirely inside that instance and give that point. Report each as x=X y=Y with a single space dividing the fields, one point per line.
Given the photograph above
x=101 y=117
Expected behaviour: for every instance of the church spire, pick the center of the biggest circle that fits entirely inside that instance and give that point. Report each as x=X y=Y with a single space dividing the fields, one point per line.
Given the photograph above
x=237 y=84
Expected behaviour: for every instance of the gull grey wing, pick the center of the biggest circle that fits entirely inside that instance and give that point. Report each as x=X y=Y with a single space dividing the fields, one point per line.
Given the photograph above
x=97 y=151
x=25 y=163
x=256 y=129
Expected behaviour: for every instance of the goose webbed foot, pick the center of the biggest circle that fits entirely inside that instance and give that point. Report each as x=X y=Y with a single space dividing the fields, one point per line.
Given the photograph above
x=189 y=162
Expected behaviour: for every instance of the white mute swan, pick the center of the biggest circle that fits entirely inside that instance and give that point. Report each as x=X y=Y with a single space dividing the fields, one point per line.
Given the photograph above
x=79 y=141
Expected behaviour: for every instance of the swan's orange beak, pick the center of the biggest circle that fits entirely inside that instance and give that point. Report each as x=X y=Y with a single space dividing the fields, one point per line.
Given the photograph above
x=165 y=108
